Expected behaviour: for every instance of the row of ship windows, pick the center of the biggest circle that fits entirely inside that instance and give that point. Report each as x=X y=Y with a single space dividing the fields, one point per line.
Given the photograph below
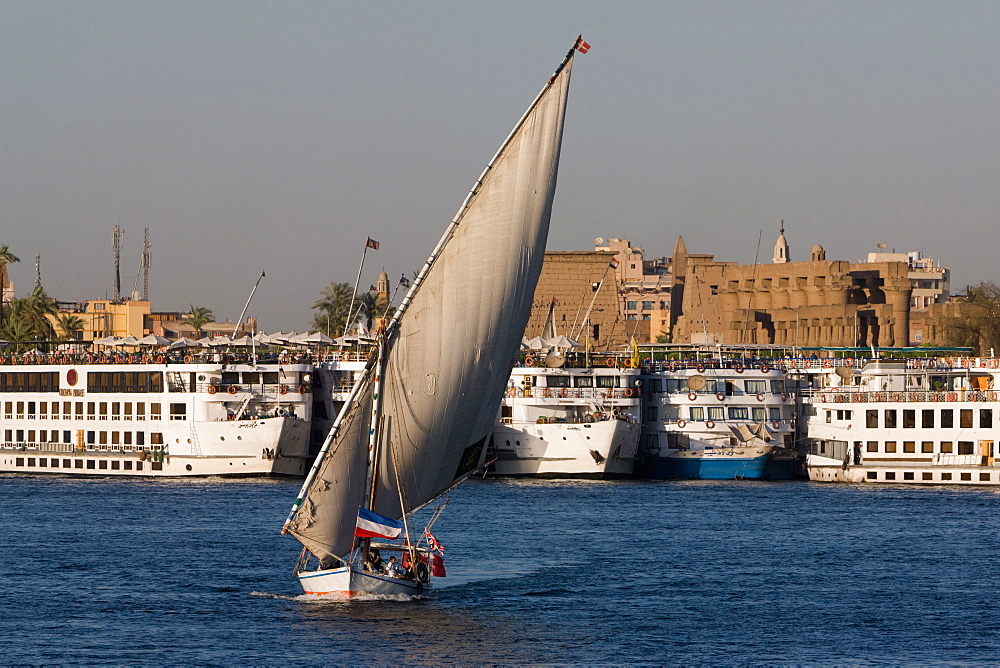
x=113 y=438
x=713 y=386
x=930 y=418
x=719 y=413
x=87 y=464
x=929 y=475
x=90 y=410
x=942 y=447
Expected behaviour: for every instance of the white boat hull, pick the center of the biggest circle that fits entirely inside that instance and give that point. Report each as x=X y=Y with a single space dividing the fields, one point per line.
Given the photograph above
x=347 y=581
x=604 y=449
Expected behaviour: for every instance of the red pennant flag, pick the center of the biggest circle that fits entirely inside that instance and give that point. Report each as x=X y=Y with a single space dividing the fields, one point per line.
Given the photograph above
x=371 y=243
x=581 y=46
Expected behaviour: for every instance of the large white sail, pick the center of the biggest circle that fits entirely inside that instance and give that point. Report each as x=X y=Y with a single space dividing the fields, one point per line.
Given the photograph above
x=449 y=355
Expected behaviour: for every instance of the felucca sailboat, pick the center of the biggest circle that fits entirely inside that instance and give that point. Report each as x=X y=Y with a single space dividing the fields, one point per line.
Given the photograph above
x=417 y=420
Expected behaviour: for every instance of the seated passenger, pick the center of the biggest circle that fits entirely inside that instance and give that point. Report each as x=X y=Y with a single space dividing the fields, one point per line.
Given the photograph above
x=375 y=561
x=394 y=569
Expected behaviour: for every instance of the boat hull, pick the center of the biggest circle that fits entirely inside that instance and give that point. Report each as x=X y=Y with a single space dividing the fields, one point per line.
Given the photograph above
x=601 y=450
x=706 y=465
x=350 y=582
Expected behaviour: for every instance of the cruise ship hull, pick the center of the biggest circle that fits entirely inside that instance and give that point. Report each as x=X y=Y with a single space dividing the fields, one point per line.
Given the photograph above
x=708 y=465
x=600 y=450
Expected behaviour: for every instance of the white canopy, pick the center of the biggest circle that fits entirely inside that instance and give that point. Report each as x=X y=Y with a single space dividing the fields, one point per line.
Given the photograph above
x=184 y=342
x=154 y=340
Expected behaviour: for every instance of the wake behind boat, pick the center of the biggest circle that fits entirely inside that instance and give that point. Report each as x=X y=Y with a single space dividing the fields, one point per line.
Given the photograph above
x=416 y=423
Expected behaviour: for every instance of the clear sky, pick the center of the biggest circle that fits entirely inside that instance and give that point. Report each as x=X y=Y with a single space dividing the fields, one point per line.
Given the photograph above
x=278 y=136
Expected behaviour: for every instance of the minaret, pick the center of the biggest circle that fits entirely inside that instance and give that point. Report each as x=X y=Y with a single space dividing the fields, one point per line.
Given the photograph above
x=382 y=286
x=781 y=247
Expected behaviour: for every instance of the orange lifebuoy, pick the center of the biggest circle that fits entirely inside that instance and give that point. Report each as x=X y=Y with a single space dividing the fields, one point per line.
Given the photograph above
x=231 y=389
x=700 y=368
x=720 y=396
x=345 y=357
x=765 y=368
x=738 y=368
x=529 y=361
x=546 y=392
x=681 y=423
x=187 y=359
x=850 y=361
x=564 y=392
x=709 y=424
x=775 y=424
x=512 y=392
x=610 y=362
x=760 y=397
x=628 y=392
x=827 y=364
x=283 y=359
x=212 y=389
x=302 y=389
x=282 y=389
x=160 y=359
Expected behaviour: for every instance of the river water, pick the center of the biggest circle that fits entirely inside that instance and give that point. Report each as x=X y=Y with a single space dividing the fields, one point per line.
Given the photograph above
x=166 y=572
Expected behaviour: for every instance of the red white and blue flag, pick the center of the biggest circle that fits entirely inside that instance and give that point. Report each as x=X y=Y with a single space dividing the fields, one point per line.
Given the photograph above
x=371 y=243
x=433 y=543
x=373 y=525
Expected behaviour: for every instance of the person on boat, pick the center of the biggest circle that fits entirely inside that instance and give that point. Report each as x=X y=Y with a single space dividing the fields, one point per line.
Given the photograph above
x=375 y=561
x=394 y=569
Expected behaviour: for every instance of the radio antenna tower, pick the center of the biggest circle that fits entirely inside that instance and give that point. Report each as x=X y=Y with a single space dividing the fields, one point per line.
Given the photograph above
x=145 y=265
x=38 y=270
x=117 y=236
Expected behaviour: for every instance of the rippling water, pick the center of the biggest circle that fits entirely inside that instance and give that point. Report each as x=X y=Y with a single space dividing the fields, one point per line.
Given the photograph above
x=134 y=571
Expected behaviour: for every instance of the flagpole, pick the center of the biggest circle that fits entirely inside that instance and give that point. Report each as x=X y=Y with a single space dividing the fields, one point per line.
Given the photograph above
x=350 y=311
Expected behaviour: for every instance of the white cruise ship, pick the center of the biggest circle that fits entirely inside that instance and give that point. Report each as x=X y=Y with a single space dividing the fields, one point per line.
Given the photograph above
x=717 y=418
x=916 y=421
x=143 y=415
x=568 y=422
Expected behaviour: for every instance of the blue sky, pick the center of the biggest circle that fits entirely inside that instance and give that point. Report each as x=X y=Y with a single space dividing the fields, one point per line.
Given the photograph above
x=278 y=136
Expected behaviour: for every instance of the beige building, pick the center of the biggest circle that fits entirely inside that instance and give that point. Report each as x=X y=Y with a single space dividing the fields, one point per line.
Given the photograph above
x=644 y=287
x=585 y=289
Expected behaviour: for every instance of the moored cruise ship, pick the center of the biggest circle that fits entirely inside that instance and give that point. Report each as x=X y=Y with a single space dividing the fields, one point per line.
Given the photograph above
x=913 y=421
x=138 y=415
x=717 y=419
x=568 y=421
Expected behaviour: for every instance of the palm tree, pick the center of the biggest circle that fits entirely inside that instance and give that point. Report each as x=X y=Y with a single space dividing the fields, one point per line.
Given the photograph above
x=199 y=317
x=32 y=312
x=6 y=257
x=978 y=325
x=18 y=332
x=332 y=307
x=69 y=325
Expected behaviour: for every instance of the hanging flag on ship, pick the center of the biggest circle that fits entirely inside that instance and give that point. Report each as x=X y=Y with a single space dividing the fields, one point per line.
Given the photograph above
x=371 y=243
x=581 y=46
x=373 y=525
x=404 y=281
x=433 y=543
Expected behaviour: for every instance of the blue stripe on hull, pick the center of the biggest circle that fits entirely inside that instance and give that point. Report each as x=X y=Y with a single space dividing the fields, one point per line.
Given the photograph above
x=698 y=468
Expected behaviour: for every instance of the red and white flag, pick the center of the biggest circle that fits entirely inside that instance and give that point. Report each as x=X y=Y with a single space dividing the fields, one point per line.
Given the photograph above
x=433 y=543
x=581 y=46
x=371 y=243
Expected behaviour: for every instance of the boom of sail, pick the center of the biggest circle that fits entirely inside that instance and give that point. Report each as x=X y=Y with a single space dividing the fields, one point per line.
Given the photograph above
x=447 y=353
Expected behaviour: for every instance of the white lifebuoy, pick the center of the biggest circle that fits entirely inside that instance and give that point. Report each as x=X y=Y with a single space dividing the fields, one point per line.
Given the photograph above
x=709 y=424
x=760 y=397
x=681 y=423
x=692 y=396
x=720 y=396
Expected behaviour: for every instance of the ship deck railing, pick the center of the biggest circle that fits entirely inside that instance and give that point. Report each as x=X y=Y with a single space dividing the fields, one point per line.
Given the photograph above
x=589 y=393
x=854 y=395
x=156 y=358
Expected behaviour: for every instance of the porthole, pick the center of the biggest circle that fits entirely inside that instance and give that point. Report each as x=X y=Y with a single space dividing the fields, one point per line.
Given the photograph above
x=222 y=438
x=188 y=467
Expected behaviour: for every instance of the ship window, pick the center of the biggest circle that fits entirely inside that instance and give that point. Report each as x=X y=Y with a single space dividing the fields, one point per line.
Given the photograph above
x=777 y=386
x=829 y=417
x=947 y=418
x=270 y=377
x=774 y=413
x=585 y=381
x=945 y=476
x=67 y=436
x=738 y=413
x=116 y=409
x=127 y=438
x=43 y=410
x=946 y=447
x=907 y=475
x=156 y=438
x=140 y=438
x=672 y=385
x=115 y=438
x=650 y=413
x=760 y=414
x=31 y=436
x=251 y=377
x=927 y=446
x=965 y=448
x=926 y=475
x=128 y=410
x=653 y=385
x=607 y=381
x=128 y=465
x=871 y=419
x=986 y=418
x=890 y=446
x=756 y=386
x=966 y=476
x=909 y=446
x=909 y=418
x=8 y=410
x=91 y=437
x=890 y=419
x=230 y=378
x=104 y=410
x=43 y=436
x=20 y=410
x=872 y=475
x=104 y=464
x=103 y=438
x=716 y=413
x=20 y=436
x=984 y=477
x=91 y=464
x=872 y=446
x=140 y=411
x=927 y=419
x=154 y=411
x=965 y=418
x=557 y=381
x=178 y=411
x=91 y=410
x=7 y=435
x=890 y=475
x=115 y=465
x=696 y=413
